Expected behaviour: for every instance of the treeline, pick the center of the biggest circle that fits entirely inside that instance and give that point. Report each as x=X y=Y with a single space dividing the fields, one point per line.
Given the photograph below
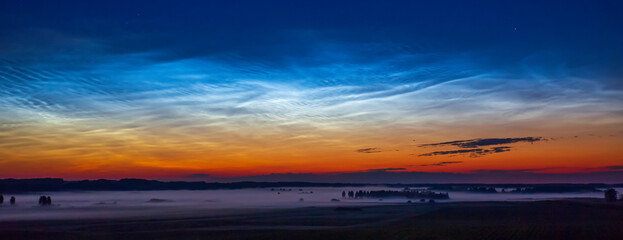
x=58 y=184
x=523 y=188
x=392 y=194
x=555 y=189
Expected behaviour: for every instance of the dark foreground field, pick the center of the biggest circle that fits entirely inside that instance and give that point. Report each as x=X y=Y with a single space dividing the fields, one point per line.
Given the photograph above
x=572 y=219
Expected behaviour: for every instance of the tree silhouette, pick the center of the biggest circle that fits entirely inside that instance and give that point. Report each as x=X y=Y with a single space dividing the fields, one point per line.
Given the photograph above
x=610 y=195
x=45 y=201
x=1 y=199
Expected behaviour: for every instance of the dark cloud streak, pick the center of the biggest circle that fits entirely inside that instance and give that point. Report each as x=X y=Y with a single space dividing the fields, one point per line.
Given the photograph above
x=440 y=163
x=368 y=150
x=386 y=169
x=615 y=168
x=482 y=176
x=481 y=142
x=475 y=146
x=476 y=152
x=198 y=176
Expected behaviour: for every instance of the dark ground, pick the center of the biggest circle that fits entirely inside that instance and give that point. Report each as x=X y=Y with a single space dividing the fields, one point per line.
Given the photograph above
x=568 y=219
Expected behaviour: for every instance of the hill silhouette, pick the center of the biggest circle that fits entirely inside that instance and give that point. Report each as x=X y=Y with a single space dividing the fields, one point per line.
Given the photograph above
x=131 y=184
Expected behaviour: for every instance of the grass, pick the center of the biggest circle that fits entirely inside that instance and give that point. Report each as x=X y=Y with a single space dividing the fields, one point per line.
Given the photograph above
x=496 y=220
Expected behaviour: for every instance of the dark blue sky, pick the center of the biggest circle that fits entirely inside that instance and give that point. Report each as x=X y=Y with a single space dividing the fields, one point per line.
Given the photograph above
x=581 y=37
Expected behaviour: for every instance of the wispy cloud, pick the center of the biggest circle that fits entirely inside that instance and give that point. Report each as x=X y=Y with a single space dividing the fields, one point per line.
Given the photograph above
x=386 y=169
x=477 y=176
x=197 y=176
x=473 y=147
x=481 y=142
x=616 y=168
x=369 y=150
x=441 y=163
x=475 y=152
x=156 y=90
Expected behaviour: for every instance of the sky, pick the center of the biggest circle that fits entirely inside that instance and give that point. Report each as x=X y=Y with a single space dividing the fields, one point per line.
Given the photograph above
x=246 y=89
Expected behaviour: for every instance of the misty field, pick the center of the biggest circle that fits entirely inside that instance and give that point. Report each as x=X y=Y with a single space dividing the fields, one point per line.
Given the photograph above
x=184 y=203
x=560 y=219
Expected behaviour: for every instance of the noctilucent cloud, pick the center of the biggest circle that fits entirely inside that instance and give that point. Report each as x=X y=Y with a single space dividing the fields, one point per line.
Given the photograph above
x=159 y=89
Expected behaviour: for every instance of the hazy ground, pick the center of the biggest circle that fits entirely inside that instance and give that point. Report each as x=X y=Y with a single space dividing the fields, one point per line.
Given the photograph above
x=561 y=219
x=308 y=213
x=182 y=203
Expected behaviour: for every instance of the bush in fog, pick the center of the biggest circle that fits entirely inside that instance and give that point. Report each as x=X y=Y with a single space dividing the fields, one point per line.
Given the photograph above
x=45 y=201
x=610 y=195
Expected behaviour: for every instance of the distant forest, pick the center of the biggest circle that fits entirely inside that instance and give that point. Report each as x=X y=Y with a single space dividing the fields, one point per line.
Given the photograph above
x=58 y=184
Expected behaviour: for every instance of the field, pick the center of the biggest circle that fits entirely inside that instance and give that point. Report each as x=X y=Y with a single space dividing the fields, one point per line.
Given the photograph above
x=563 y=219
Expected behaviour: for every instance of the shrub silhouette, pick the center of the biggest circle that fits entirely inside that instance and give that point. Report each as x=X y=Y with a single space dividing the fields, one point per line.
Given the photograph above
x=45 y=201
x=610 y=195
